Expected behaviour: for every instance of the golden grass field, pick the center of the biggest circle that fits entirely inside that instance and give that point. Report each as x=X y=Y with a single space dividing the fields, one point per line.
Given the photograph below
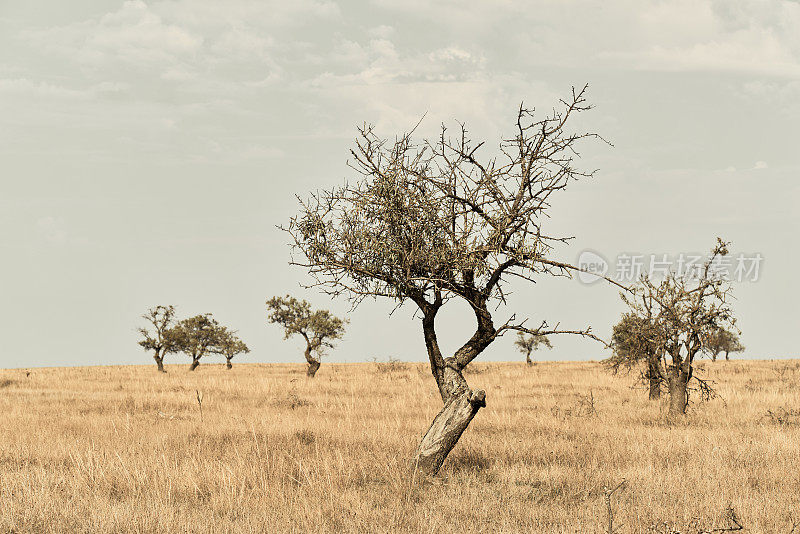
x=124 y=449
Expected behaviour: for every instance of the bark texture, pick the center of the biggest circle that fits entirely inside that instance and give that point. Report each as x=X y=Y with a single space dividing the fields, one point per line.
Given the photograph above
x=460 y=402
x=160 y=363
x=678 y=394
x=653 y=377
x=446 y=429
x=655 y=389
x=228 y=363
x=313 y=363
x=528 y=359
x=194 y=365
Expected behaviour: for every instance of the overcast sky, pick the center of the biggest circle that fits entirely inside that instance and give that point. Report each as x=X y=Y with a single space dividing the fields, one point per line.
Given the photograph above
x=148 y=149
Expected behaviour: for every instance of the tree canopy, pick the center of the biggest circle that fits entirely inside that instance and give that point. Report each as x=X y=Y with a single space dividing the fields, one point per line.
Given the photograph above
x=229 y=345
x=526 y=344
x=437 y=219
x=671 y=320
x=161 y=340
x=319 y=328
x=722 y=340
x=199 y=335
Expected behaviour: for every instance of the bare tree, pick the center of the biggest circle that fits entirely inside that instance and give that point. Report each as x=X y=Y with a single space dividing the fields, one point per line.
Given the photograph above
x=434 y=221
x=198 y=336
x=161 y=340
x=636 y=342
x=318 y=327
x=229 y=345
x=722 y=340
x=526 y=344
x=676 y=315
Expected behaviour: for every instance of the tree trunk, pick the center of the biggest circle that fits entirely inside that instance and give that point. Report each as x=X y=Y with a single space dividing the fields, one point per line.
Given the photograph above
x=655 y=388
x=678 y=397
x=194 y=365
x=228 y=363
x=460 y=402
x=528 y=360
x=726 y=356
x=653 y=378
x=447 y=427
x=313 y=363
x=160 y=363
x=714 y=356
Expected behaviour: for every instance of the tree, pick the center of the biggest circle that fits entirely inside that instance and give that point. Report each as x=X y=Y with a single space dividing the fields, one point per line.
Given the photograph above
x=319 y=328
x=722 y=340
x=198 y=336
x=433 y=221
x=636 y=340
x=527 y=344
x=161 y=340
x=230 y=345
x=673 y=318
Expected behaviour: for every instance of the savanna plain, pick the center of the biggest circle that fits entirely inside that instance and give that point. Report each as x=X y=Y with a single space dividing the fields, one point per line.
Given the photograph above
x=263 y=448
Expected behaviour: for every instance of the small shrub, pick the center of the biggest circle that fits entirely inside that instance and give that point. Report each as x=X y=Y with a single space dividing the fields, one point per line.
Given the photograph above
x=392 y=365
x=585 y=407
x=783 y=416
x=304 y=437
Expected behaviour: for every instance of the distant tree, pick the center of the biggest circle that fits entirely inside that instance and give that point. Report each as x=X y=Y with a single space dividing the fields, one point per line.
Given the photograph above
x=722 y=340
x=431 y=221
x=319 y=328
x=198 y=336
x=161 y=339
x=526 y=344
x=230 y=345
x=636 y=342
x=676 y=315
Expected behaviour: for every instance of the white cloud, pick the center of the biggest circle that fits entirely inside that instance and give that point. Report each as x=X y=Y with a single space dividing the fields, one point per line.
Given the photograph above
x=134 y=34
x=454 y=53
x=381 y=32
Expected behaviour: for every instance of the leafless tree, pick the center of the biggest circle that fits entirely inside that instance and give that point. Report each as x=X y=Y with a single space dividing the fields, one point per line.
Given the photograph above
x=161 y=340
x=526 y=344
x=433 y=221
x=318 y=327
x=673 y=318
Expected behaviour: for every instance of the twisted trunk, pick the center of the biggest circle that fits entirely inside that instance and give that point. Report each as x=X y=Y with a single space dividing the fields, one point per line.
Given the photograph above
x=195 y=363
x=159 y=358
x=446 y=429
x=313 y=363
x=460 y=402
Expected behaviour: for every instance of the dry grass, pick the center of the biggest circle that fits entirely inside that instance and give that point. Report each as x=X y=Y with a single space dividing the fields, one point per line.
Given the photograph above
x=123 y=449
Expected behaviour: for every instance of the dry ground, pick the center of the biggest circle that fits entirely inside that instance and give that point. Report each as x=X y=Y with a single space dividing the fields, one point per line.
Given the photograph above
x=124 y=449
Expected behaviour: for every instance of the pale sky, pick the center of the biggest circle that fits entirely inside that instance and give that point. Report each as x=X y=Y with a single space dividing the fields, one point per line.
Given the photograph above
x=149 y=149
